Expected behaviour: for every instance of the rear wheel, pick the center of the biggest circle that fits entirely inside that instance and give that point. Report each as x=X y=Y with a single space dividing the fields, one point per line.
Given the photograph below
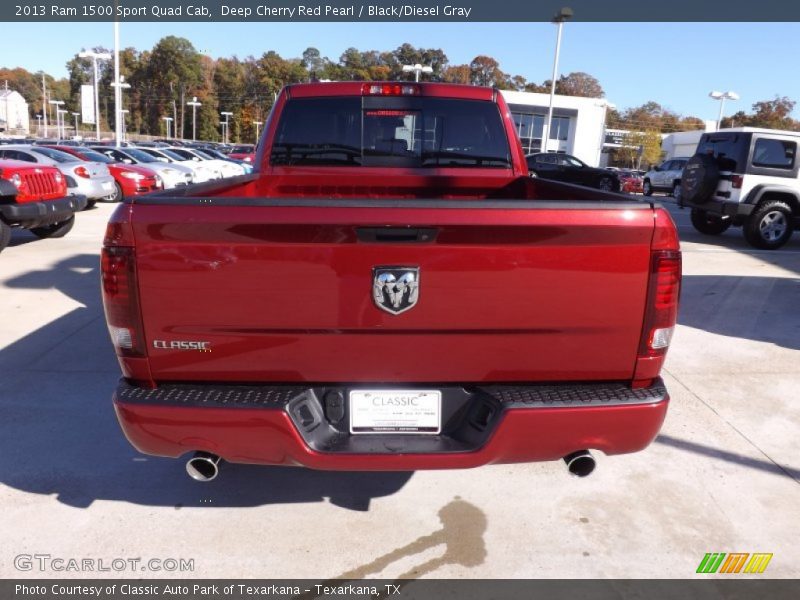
x=116 y=196
x=606 y=184
x=90 y=204
x=56 y=230
x=709 y=224
x=769 y=226
x=5 y=235
x=647 y=189
x=676 y=193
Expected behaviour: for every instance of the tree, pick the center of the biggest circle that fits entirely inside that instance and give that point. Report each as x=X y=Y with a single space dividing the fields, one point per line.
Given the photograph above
x=175 y=71
x=770 y=114
x=579 y=84
x=639 y=148
x=484 y=70
x=457 y=74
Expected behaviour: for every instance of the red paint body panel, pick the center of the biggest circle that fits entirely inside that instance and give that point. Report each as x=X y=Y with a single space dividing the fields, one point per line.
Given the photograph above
x=38 y=182
x=553 y=290
x=269 y=437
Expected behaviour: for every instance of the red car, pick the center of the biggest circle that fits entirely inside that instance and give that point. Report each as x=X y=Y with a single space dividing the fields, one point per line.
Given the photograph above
x=35 y=197
x=245 y=152
x=131 y=180
x=631 y=182
x=390 y=290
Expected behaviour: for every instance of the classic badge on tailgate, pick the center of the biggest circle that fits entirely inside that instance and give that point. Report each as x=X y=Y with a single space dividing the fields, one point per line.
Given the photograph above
x=395 y=289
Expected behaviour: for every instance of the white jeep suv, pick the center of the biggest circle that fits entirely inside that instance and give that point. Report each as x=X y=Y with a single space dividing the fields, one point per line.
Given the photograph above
x=745 y=177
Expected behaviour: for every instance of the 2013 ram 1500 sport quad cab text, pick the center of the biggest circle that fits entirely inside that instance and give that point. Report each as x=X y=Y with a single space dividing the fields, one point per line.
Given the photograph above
x=390 y=290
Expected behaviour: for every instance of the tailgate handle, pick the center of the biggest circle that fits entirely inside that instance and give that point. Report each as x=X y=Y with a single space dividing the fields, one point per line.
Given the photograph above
x=397 y=235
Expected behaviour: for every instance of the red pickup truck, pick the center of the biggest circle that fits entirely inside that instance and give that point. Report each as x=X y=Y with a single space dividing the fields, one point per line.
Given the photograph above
x=390 y=290
x=35 y=197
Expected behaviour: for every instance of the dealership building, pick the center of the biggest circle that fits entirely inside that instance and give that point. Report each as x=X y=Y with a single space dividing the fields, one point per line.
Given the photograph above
x=13 y=112
x=578 y=124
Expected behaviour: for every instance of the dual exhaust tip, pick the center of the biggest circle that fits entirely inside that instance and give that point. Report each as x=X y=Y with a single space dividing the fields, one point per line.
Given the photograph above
x=204 y=466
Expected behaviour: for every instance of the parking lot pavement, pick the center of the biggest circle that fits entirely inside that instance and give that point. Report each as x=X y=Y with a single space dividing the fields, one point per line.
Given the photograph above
x=724 y=475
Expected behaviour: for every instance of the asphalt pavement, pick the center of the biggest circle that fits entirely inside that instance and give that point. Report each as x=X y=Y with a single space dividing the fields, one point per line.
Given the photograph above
x=723 y=476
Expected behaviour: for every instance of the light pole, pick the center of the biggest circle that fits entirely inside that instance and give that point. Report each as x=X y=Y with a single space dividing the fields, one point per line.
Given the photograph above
x=417 y=69
x=194 y=104
x=564 y=14
x=95 y=56
x=123 y=112
x=60 y=118
x=257 y=124
x=57 y=104
x=39 y=125
x=722 y=96
x=118 y=86
x=76 y=122
x=168 y=121
x=225 y=126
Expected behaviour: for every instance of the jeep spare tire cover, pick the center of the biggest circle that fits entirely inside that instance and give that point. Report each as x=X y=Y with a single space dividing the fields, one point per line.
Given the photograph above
x=699 y=178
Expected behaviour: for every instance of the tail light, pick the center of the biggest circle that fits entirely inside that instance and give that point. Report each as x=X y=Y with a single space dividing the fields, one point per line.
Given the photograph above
x=663 y=294
x=82 y=172
x=389 y=89
x=121 y=293
x=736 y=181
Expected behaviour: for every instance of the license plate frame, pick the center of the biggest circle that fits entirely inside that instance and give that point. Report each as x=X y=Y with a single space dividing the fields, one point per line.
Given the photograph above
x=397 y=412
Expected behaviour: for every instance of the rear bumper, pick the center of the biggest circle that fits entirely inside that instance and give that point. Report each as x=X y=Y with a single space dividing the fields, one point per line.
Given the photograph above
x=294 y=425
x=724 y=209
x=45 y=212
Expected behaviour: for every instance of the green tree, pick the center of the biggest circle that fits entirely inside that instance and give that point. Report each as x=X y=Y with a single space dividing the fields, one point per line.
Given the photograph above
x=175 y=72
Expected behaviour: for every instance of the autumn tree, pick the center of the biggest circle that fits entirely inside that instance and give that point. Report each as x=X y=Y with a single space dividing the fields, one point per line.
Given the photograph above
x=578 y=84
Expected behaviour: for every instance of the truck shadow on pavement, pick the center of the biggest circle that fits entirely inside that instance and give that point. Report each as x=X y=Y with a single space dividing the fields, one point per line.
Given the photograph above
x=763 y=309
x=59 y=435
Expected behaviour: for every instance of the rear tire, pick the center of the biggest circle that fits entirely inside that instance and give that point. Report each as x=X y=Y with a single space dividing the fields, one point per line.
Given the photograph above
x=116 y=196
x=676 y=193
x=90 y=204
x=709 y=224
x=769 y=226
x=647 y=189
x=56 y=230
x=606 y=184
x=5 y=235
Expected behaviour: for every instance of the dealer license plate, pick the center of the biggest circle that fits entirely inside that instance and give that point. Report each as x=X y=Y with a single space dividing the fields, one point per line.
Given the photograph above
x=396 y=411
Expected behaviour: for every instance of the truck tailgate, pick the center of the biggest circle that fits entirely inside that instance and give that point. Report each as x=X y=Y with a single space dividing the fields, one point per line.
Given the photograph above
x=282 y=290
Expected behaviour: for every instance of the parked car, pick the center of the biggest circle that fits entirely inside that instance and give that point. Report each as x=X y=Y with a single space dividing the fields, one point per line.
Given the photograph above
x=223 y=168
x=172 y=175
x=748 y=178
x=90 y=179
x=631 y=182
x=130 y=180
x=247 y=166
x=666 y=178
x=200 y=173
x=567 y=168
x=35 y=197
x=427 y=309
x=245 y=152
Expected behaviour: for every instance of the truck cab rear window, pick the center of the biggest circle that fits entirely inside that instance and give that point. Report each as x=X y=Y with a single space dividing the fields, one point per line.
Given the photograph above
x=434 y=132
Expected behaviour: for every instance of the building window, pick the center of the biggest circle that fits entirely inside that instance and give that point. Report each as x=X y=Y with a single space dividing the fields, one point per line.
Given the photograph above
x=560 y=129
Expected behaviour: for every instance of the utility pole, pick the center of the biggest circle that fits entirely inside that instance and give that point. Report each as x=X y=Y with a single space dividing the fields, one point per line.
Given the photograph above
x=44 y=104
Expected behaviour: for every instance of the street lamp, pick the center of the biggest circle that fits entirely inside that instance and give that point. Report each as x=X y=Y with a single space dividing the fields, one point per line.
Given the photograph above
x=564 y=14
x=118 y=110
x=39 y=125
x=76 y=122
x=194 y=104
x=60 y=117
x=722 y=96
x=257 y=124
x=57 y=104
x=417 y=69
x=168 y=121
x=225 y=126
x=95 y=56
x=122 y=113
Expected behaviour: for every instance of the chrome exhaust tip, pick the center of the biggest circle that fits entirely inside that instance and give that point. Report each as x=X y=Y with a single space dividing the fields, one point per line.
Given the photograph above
x=203 y=466
x=580 y=463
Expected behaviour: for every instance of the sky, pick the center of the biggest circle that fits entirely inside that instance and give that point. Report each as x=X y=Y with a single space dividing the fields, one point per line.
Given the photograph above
x=674 y=64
